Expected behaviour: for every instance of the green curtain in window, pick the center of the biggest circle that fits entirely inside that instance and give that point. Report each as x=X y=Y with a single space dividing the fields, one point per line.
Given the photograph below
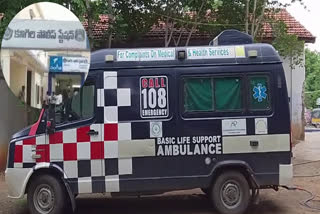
x=198 y=94
x=228 y=93
x=259 y=93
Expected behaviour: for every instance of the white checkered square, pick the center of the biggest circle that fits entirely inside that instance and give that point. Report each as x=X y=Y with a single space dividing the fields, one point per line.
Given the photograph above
x=110 y=114
x=17 y=165
x=100 y=97
x=124 y=131
x=71 y=168
x=111 y=149
x=70 y=136
x=56 y=152
x=125 y=166
x=110 y=80
x=83 y=151
x=123 y=97
x=41 y=140
x=85 y=185
x=27 y=154
x=98 y=128
x=96 y=167
x=112 y=183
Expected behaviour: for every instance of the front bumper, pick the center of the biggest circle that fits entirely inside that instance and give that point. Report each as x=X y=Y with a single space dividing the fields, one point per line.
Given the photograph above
x=16 y=180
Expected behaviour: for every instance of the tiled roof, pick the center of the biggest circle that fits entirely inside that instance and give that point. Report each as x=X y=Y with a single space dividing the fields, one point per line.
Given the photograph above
x=293 y=26
x=158 y=31
x=98 y=27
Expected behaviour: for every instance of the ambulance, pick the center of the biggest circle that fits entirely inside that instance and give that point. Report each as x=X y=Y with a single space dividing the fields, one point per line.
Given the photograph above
x=153 y=120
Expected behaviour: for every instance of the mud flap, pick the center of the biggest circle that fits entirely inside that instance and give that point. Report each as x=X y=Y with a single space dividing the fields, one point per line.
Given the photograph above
x=71 y=196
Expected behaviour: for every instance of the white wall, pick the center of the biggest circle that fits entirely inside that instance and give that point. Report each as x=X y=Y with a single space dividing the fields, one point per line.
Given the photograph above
x=36 y=81
x=295 y=82
x=17 y=77
x=25 y=13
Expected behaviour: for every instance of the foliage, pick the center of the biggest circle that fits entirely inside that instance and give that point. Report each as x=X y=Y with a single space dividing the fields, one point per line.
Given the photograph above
x=312 y=82
x=130 y=20
x=12 y=7
x=288 y=45
x=133 y=18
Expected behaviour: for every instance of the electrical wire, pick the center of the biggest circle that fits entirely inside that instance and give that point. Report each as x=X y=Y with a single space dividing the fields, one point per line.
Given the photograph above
x=199 y=23
x=203 y=23
x=306 y=176
x=308 y=162
x=306 y=202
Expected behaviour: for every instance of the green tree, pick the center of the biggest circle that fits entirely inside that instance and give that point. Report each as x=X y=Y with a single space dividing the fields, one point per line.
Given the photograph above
x=312 y=82
x=288 y=45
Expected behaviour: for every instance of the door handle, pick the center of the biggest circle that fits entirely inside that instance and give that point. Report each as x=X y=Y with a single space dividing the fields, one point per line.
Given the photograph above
x=92 y=132
x=254 y=143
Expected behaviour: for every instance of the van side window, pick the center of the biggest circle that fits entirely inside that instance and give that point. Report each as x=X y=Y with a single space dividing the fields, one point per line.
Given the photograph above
x=83 y=102
x=198 y=94
x=208 y=94
x=259 y=92
x=228 y=94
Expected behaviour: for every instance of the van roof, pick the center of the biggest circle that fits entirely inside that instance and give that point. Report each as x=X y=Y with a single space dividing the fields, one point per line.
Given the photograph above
x=184 y=56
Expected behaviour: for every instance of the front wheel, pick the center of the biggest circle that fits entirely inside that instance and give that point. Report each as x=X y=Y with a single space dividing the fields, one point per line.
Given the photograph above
x=46 y=195
x=231 y=193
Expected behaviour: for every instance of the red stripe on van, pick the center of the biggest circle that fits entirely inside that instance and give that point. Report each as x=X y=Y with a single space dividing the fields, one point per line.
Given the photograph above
x=34 y=127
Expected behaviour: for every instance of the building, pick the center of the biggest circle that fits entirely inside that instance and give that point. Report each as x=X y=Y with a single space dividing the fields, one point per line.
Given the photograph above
x=43 y=52
x=295 y=76
x=28 y=64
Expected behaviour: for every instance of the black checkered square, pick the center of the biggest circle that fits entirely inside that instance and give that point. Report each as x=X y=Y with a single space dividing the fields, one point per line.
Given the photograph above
x=110 y=97
x=111 y=166
x=84 y=168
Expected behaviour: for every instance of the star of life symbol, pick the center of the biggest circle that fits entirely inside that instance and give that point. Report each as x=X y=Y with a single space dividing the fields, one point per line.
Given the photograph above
x=260 y=92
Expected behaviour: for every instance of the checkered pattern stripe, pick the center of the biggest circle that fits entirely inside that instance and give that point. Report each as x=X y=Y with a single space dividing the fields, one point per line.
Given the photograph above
x=93 y=163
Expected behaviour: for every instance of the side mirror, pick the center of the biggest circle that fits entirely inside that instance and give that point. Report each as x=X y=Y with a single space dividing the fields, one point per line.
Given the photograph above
x=50 y=126
x=51 y=123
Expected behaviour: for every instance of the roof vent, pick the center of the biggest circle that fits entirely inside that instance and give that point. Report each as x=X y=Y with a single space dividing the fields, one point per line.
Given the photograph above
x=231 y=37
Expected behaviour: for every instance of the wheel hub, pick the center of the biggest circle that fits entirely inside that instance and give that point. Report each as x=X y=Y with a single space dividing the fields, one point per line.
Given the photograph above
x=43 y=199
x=230 y=194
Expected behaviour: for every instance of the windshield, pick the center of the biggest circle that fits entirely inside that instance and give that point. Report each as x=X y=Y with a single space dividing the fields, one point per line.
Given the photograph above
x=316 y=114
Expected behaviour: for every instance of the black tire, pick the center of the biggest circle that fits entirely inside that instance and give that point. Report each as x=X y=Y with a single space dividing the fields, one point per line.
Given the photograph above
x=39 y=192
x=231 y=193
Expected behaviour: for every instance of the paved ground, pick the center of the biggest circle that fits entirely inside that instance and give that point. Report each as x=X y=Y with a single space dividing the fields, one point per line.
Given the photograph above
x=193 y=201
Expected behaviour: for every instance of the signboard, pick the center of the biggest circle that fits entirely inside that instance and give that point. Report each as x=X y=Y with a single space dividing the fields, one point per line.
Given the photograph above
x=234 y=127
x=55 y=64
x=154 y=97
x=154 y=54
x=45 y=35
x=68 y=64
x=215 y=52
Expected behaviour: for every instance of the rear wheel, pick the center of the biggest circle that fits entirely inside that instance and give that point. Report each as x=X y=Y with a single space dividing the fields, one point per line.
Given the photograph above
x=46 y=195
x=231 y=193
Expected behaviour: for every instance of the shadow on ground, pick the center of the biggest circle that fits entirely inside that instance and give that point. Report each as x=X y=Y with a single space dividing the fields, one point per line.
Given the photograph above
x=177 y=204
